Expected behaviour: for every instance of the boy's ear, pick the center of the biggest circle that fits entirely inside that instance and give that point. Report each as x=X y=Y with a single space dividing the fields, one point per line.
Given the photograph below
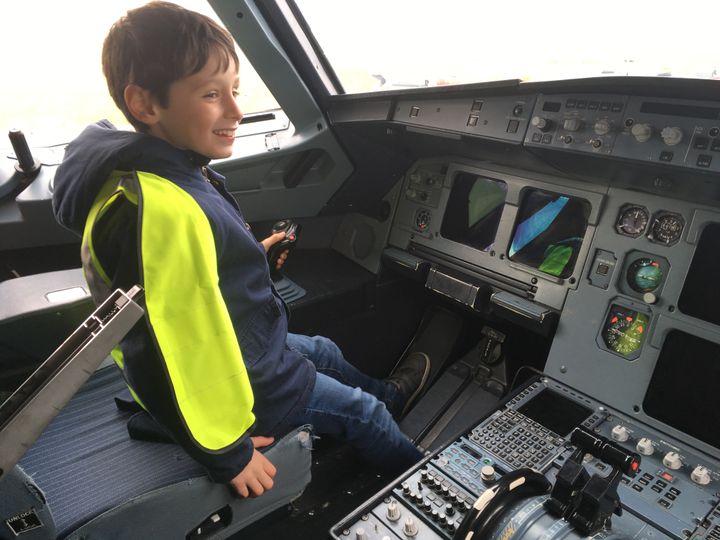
x=140 y=104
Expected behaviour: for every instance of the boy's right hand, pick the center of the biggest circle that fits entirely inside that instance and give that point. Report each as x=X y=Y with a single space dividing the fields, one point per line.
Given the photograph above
x=257 y=476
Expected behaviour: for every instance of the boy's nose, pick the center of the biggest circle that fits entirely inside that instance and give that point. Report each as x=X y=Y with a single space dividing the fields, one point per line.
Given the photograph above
x=233 y=110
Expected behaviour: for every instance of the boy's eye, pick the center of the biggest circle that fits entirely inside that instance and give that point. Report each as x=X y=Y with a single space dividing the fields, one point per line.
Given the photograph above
x=235 y=92
x=212 y=95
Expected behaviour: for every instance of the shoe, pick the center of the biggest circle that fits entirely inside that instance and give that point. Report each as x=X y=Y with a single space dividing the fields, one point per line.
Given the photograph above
x=409 y=378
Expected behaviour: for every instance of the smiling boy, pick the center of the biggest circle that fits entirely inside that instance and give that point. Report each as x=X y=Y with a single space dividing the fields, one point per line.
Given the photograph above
x=213 y=361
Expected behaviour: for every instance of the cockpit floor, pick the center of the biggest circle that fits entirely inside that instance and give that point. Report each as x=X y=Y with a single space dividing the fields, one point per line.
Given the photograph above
x=340 y=482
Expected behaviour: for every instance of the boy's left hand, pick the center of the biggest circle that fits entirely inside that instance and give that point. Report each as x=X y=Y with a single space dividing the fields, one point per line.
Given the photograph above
x=272 y=240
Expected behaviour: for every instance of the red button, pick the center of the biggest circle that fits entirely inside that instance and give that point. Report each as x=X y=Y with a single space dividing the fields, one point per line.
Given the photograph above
x=667 y=476
x=292 y=237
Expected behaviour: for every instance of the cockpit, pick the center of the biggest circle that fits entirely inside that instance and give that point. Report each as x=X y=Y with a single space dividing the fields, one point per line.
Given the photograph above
x=537 y=213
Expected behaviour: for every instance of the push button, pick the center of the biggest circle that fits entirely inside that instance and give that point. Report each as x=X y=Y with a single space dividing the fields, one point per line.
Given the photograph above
x=701 y=143
x=704 y=160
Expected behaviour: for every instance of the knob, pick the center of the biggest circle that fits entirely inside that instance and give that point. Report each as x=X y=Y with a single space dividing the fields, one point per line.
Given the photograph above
x=393 y=511
x=671 y=135
x=620 y=433
x=645 y=447
x=649 y=298
x=449 y=510
x=602 y=127
x=700 y=475
x=487 y=474
x=543 y=124
x=672 y=460
x=27 y=164
x=409 y=527
x=572 y=124
x=641 y=132
x=360 y=534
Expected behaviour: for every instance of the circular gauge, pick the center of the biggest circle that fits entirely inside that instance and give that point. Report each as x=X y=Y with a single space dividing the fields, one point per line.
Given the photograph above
x=625 y=329
x=632 y=220
x=644 y=275
x=422 y=220
x=666 y=228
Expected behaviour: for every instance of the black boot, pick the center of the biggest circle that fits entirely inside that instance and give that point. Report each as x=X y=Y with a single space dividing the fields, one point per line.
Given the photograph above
x=409 y=378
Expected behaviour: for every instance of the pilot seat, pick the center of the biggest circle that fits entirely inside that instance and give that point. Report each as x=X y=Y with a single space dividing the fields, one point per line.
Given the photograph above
x=85 y=477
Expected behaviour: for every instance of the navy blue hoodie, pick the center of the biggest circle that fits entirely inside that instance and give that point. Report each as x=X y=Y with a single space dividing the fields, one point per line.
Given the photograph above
x=281 y=378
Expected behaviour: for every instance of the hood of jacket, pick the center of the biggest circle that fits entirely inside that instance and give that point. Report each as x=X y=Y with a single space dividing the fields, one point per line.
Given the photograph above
x=101 y=149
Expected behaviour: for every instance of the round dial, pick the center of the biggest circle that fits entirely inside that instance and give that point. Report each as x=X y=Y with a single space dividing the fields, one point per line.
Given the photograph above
x=632 y=220
x=644 y=275
x=422 y=219
x=625 y=329
x=666 y=228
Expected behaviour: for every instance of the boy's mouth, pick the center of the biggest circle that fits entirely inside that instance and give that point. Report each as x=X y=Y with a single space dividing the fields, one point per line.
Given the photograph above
x=224 y=132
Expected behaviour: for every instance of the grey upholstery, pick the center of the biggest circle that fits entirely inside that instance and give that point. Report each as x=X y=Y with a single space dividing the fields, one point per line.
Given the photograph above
x=90 y=470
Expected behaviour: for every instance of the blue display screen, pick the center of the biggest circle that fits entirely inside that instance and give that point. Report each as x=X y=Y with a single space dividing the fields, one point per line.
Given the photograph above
x=549 y=231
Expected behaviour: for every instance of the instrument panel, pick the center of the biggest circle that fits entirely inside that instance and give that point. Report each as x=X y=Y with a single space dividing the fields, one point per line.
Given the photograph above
x=671 y=494
x=624 y=272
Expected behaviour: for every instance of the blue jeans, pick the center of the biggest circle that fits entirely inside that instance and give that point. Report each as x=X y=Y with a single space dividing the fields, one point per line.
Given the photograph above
x=347 y=403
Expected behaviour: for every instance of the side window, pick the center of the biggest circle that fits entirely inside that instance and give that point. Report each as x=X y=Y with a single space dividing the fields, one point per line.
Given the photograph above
x=54 y=86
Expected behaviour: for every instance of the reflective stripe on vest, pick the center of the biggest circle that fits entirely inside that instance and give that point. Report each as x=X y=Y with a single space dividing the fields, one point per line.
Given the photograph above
x=185 y=309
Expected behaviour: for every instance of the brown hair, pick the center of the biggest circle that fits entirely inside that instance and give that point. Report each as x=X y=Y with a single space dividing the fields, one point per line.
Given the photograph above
x=157 y=44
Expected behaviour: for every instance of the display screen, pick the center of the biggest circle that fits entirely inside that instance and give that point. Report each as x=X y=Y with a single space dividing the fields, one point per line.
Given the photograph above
x=683 y=389
x=473 y=211
x=625 y=330
x=549 y=232
x=555 y=412
x=700 y=295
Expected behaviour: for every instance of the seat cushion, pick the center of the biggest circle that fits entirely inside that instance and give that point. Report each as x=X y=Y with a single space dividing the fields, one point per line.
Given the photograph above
x=86 y=463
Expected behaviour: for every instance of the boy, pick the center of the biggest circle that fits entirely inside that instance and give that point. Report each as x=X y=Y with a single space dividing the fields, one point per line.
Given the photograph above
x=213 y=361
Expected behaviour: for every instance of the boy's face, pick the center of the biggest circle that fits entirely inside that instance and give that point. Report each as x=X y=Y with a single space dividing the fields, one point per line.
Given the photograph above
x=202 y=112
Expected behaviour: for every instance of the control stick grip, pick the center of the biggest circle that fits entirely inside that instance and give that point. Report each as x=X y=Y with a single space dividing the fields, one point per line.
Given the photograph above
x=291 y=230
x=26 y=163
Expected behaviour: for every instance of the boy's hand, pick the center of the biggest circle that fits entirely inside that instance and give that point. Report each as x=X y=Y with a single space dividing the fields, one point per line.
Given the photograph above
x=257 y=476
x=272 y=240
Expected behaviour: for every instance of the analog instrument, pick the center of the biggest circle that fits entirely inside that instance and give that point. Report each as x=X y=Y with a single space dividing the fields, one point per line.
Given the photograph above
x=625 y=330
x=632 y=220
x=666 y=228
x=644 y=275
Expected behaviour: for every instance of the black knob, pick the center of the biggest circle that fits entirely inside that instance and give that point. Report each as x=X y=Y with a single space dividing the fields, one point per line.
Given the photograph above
x=26 y=163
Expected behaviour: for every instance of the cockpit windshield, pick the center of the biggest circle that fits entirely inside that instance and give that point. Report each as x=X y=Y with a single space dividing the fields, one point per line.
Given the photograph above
x=377 y=45
x=53 y=84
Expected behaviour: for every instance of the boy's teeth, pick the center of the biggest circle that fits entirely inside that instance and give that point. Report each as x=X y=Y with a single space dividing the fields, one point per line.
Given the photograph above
x=225 y=132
